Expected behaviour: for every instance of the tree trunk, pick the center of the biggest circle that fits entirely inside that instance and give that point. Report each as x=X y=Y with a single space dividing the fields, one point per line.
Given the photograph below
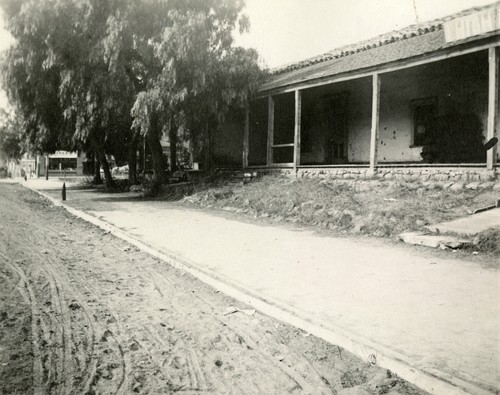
x=141 y=165
x=172 y=135
x=132 y=160
x=97 y=171
x=108 y=178
x=154 y=136
x=208 y=150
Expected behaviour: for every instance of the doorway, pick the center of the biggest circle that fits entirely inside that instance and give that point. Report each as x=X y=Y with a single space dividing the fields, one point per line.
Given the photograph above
x=336 y=132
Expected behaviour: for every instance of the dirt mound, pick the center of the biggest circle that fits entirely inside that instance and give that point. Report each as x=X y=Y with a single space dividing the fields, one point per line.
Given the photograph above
x=381 y=208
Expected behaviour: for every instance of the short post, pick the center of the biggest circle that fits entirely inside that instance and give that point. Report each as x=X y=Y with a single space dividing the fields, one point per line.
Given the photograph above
x=63 y=192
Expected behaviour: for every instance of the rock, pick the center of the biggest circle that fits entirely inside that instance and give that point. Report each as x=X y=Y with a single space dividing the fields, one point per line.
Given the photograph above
x=454 y=245
x=230 y=310
x=74 y=306
x=487 y=176
x=472 y=185
x=419 y=239
x=307 y=204
x=218 y=363
x=320 y=212
x=486 y=185
x=333 y=212
x=350 y=212
x=458 y=186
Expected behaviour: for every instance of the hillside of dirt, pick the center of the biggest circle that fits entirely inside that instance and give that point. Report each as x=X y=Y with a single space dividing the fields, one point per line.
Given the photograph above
x=84 y=312
x=379 y=208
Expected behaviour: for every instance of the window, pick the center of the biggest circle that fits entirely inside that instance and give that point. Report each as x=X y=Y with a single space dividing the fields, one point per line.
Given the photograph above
x=424 y=117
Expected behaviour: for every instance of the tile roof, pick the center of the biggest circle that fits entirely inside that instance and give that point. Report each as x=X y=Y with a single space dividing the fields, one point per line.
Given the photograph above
x=411 y=41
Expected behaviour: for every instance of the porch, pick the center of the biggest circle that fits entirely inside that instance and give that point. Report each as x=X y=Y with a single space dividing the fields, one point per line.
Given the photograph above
x=429 y=116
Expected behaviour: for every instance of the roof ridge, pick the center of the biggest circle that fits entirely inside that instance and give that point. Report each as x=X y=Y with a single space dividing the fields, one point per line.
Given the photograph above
x=413 y=30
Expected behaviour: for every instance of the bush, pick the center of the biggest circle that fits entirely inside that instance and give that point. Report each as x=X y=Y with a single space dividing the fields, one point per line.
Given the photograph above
x=488 y=241
x=455 y=138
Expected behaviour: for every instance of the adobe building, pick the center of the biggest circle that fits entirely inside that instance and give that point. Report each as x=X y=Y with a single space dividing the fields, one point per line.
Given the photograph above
x=419 y=102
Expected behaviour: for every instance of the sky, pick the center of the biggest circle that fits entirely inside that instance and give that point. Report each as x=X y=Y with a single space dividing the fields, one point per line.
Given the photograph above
x=285 y=31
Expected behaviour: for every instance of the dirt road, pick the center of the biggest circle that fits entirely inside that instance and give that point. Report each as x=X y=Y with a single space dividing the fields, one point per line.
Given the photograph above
x=84 y=312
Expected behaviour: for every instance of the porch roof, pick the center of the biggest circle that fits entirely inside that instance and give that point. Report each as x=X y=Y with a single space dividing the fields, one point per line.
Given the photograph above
x=409 y=43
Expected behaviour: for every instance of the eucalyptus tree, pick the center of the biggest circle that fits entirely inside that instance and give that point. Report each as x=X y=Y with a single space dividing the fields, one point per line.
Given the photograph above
x=12 y=143
x=59 y=75
x=83 y=72
x=198 y=73
x=31 y=82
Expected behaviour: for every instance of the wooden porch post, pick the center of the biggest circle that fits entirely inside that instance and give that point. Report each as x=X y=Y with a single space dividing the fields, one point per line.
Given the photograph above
x=270 y=130
x=246 y=136
x=492 y=105
x=375 y=123
x=296 y=146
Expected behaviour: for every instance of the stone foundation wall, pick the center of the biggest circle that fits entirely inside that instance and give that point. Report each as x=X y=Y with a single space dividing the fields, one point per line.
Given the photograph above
x=438 y=173
x=337 y=172
x=450 y=174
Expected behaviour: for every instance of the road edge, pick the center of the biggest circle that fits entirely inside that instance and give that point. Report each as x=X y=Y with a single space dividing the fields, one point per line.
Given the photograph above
x=438 y=383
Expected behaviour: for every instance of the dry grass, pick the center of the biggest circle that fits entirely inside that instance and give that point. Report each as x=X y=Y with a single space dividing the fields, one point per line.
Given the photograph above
x=382 y=208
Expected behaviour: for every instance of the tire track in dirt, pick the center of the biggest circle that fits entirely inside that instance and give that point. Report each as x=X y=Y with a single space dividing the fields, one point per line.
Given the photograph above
x=240 y=334
x=71 y=352
x=57 y=364
x=191 y=365
x=191 y=361
x=56 y=336
x=72 y=358
x=129 y=338
x=268 y=350
x=109 y=345
x=110 y=319
x=180 y=352
x=14 y=285
x=101 y=366
x=27 y=292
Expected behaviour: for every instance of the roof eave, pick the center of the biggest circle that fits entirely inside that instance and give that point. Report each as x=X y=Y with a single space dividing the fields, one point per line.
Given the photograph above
x=483 y=43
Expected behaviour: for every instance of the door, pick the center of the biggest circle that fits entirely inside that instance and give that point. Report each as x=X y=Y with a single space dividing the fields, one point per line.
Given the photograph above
x=336 y=130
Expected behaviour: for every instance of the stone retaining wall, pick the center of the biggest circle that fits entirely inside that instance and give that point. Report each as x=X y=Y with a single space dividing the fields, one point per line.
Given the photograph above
x=438 y=173
x=408 y=173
